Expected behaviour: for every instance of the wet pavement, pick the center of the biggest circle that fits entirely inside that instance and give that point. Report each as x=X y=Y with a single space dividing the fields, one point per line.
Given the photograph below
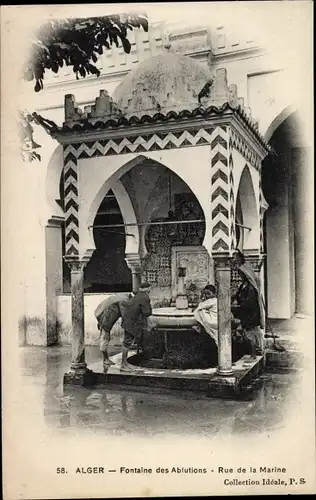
x=263 y=408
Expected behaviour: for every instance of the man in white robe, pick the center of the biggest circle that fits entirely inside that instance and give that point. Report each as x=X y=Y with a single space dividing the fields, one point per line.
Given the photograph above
x=206 y=312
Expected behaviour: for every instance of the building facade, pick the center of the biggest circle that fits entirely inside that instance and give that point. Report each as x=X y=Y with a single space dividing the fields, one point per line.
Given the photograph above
x=131 y=186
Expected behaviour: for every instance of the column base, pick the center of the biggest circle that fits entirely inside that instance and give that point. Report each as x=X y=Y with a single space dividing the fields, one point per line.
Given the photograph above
x=81 y=377
x=223 y=387
x=225 y=373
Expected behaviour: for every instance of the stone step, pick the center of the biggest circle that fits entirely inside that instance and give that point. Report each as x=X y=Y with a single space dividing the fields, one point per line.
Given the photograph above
x=289 y=360
x=284 y=352
x=286 y=342
x=294 y=336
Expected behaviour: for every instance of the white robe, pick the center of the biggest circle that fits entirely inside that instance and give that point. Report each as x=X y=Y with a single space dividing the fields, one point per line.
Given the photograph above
x=206 y=315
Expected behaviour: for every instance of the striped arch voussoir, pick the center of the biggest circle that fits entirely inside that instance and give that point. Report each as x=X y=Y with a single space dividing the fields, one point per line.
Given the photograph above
x=71 y=202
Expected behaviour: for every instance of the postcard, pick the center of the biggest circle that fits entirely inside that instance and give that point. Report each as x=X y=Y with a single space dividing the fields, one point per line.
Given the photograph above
x=157 y=250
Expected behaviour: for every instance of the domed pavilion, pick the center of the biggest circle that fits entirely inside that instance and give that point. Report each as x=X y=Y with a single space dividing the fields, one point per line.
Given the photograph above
x=184 y=131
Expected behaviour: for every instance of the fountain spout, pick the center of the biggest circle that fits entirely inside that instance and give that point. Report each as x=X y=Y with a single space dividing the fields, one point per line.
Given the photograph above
x=182 y=299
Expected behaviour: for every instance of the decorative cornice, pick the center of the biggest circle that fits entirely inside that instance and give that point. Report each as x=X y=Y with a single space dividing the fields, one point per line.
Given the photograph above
x=239 y=142
x=140 y=143
x=117 y=126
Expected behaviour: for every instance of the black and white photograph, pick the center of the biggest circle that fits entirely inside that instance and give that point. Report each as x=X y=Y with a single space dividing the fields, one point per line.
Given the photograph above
x=157 y=205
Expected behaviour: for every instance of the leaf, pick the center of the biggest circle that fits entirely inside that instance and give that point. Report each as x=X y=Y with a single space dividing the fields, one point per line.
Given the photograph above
x=75 y=42
x=144 y=23
x=126 y=45
x=37 y=156
x=93 y=70
x=82 y=71
x=55 y=67
x=115 y=40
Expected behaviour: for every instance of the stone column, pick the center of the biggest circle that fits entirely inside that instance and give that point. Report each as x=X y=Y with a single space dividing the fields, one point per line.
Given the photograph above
x=133 y=261
x=256 y=261
x=78 y=373
x=223 y=273
x=302 y=204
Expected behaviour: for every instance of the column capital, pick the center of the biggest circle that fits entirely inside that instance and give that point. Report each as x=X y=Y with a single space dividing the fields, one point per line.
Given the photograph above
x=55 y=221
x=256 y=260
x=221 y=259
x=75 y=264
x=134 y=262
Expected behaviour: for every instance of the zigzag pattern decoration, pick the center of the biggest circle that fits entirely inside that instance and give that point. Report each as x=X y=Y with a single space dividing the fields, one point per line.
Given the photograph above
x=241 y=145
x=222 y=197
x=71 y=206
x=232 y=202
x=139 y=144
x=261 y=215
x=220 y=191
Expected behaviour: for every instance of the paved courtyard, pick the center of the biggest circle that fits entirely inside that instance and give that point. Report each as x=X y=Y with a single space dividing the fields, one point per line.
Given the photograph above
x=101 y=411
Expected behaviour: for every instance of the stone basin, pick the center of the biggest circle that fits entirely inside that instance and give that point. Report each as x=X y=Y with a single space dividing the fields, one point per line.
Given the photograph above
x=170 y=342
x=171 y=317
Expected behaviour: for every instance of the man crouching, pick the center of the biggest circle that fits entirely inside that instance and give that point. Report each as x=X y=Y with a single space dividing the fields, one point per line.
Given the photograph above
x=107 y=313
x=134 y=320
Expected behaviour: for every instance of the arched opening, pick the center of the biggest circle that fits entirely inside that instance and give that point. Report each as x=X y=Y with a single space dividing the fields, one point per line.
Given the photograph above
x=54 y=182
x=286 y=191
x=247 y=214
x=278 y=120
x=239 y=225
x=107 y=270
x=163 y=206
x=171 y=238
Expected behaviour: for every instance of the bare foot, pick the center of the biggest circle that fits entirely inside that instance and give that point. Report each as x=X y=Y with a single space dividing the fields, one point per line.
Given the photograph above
x=107 y=362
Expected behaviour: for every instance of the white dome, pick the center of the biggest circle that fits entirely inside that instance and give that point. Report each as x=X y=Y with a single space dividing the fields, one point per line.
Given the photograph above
x=164 y=82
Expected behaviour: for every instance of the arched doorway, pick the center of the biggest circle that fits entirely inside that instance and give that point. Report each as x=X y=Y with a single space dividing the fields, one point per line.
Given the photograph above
x=107 y=270
x=247 y=223
x=247 y=214
x=164 y=206
x=171 y=238
x=284 y=186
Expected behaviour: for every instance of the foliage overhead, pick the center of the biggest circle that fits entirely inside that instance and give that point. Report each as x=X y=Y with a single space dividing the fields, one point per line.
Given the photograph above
x=28 y=145
x=72 y=42
x=78 y=43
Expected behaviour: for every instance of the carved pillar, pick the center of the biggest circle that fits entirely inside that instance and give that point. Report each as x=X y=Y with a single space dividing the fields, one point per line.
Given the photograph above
x=78 y=373
x=223 y=275
x=223 y=238
x=134 y=263
x=77 y=316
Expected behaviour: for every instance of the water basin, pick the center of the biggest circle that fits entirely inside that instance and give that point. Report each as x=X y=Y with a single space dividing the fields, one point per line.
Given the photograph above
x=171 y=317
